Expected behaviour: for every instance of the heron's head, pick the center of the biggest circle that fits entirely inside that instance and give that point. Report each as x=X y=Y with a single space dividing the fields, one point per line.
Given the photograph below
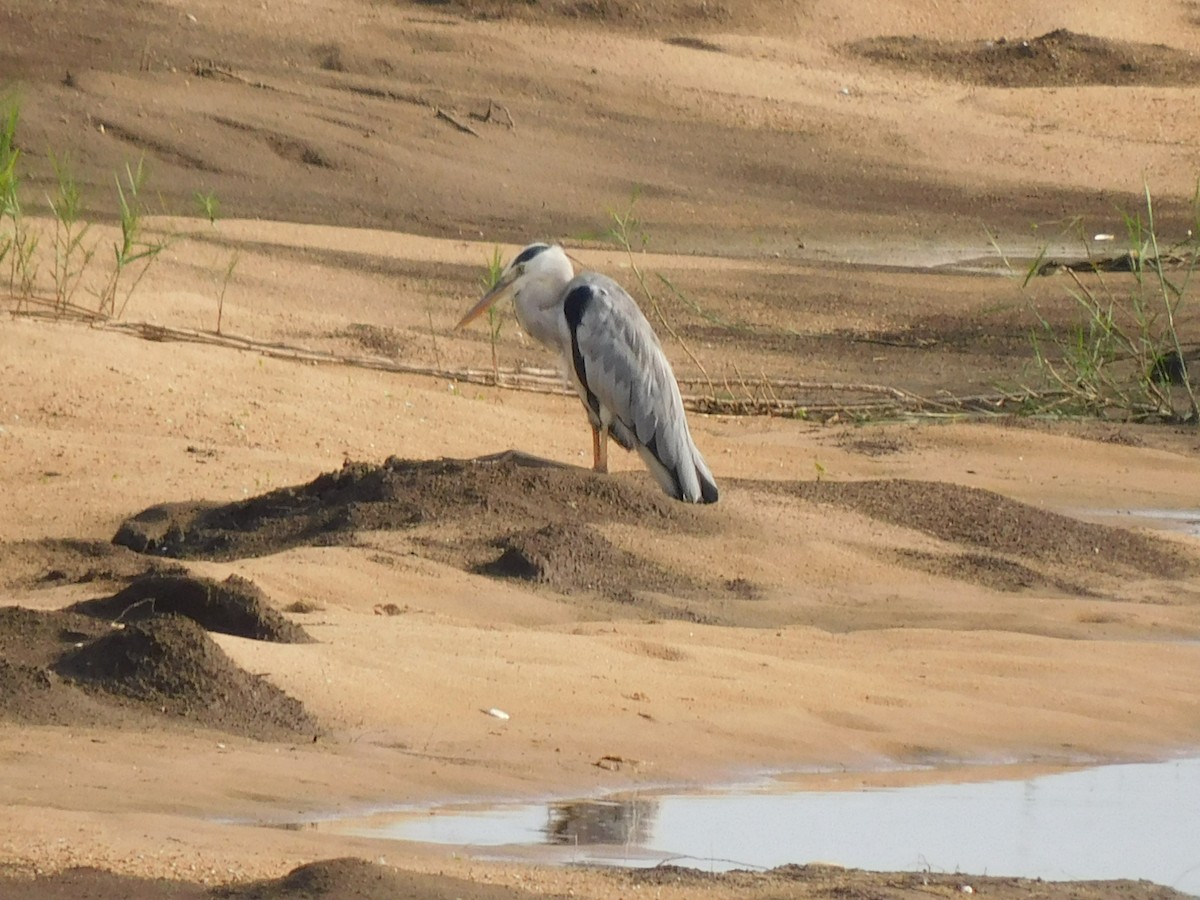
x=536 y=275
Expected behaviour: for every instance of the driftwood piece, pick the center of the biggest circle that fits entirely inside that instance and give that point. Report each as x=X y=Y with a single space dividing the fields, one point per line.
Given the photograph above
x=460 y=125
x=490 y=115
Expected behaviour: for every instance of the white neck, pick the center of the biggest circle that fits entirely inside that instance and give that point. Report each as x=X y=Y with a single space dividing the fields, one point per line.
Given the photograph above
x=538 y=298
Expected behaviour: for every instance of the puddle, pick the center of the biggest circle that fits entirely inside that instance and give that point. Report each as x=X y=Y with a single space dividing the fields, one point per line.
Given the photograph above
x=1116 y=821
x=1182 y=521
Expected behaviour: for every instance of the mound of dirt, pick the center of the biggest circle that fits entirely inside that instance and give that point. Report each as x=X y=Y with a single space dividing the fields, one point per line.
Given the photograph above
x=34 y=638
x=64 y=668
x=169 y=662
x=97 y=884
x=988 y=569
x=349 y=877
x=515 y=516
x=30 y=691
x=399 y=494
x=510 y=515
x=982 y=519
x=33 y=695
x=571 y=557
x=612 y=13
x=234 y=606
x=1058 y=59
x=50 y=562
x=334 y=878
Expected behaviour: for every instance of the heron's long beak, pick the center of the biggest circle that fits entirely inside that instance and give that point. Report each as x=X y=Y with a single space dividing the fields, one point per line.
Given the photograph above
x=492 y=297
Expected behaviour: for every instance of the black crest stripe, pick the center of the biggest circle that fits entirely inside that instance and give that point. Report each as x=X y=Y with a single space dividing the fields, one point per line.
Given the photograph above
x=529 y=253
x=574 y=306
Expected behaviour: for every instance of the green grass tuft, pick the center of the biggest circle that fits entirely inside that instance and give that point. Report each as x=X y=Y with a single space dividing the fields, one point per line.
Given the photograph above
x=1123 y=355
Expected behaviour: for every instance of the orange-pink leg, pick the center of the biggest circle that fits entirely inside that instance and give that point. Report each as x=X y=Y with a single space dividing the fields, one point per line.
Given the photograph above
x=599 y=450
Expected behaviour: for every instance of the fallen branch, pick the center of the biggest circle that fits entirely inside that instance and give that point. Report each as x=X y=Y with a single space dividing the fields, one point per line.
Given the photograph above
x=887 y=402
x=762 y=392
x=461 y=126
x=208 y=68
x=488 y=117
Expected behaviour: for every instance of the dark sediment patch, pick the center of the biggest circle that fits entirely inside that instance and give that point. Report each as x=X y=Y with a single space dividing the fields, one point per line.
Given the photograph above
x=1057 y=59
x=170 y=663
x=37 y=638
x=988 y=569
x=399 y=494
x=34 y=695
x=234 y=606
x=515 y=516
x=511 y=516
x=982 y=519
x=693 y=43
x=50 y=562
x=64 y=668
x=571 y=558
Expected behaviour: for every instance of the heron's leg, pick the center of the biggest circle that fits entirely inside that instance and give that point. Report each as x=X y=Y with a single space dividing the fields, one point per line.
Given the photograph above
x=599 y=449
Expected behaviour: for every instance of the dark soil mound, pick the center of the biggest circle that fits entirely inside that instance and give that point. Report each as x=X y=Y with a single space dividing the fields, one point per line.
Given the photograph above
x=169 y=662
x=97 y=884
x=988 y=569
x=64 y=668
x=571 y=558
x=34 y=638
x=50 y=562
x=234 y=606
x=338 y=878
x=989 y=521
x=1057 y=59
x=30 y=691
x=515 y=516
x=637 y=14
x=398 y=494
x=511 y=515
x=334 y=878
x=33 y=695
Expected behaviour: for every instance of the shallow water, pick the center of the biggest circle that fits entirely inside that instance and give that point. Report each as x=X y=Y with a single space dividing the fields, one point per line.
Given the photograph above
x=1171 y=520
x=1186 y=521
x=1115 y=821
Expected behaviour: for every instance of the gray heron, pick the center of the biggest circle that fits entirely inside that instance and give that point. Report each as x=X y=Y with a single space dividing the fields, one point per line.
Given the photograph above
x=613 y=360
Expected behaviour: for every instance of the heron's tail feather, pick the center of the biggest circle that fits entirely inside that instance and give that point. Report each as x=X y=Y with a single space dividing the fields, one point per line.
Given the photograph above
x=689 y=480
x=708 y=487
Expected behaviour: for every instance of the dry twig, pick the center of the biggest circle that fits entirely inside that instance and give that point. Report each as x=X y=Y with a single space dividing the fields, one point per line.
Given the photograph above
x=489 y=117
x=461 y=126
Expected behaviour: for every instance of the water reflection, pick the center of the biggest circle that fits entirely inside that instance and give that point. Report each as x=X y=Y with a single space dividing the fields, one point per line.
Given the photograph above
x=1120 y=821
x=588 y=822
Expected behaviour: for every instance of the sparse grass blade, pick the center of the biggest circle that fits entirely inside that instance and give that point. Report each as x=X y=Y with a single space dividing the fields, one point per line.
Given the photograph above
x=210 y=207
x=17 y=243
x=495 y=268
x=71 y=257
x=133 y=247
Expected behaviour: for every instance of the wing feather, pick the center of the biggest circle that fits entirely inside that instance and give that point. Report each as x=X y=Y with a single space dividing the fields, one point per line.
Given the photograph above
x=623 y=377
